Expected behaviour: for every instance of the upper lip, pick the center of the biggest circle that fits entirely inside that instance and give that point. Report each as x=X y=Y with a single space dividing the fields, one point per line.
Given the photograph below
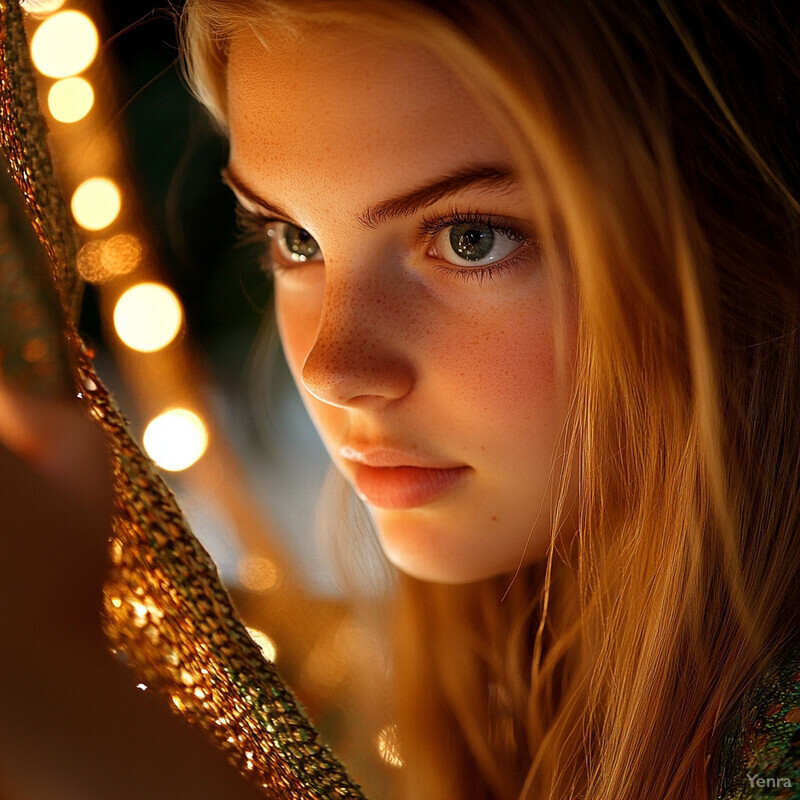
x=387 y=456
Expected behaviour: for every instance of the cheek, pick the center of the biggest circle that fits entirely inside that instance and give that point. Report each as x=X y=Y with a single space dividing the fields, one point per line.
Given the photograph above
x=498 y=368
x=485 y=370
x=297 y=315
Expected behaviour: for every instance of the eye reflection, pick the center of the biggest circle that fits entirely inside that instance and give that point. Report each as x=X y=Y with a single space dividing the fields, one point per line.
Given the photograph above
x=471 y=242
x=476 y=243
x=293 y=243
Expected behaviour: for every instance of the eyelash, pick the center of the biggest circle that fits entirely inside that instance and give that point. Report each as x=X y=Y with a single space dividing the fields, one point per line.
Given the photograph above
x=251 y=229
x=252 y=226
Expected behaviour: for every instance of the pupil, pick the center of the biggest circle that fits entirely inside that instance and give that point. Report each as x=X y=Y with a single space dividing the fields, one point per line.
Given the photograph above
x=472 y=242
x=300 y=243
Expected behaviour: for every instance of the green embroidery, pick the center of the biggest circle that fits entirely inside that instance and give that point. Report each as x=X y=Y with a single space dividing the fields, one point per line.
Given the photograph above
x=760 y=755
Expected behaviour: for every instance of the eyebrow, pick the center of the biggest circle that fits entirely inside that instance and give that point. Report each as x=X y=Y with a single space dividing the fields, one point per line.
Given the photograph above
x=405 y=205
x=239 y=187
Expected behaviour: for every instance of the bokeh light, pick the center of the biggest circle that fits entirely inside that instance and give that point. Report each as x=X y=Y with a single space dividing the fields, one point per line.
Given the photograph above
x=99 y=260
x=40 y=7
x=70 y=99
x=90 y=264
x=258 y=573
x=264 y=642
x=148 y=317
x=64 y=44
x=324 y=668
x=388 y=746
x=121 y=254
x=175 y=439
x=96 y=203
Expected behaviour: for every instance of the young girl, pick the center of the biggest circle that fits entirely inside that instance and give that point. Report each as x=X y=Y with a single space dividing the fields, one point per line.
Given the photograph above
x=537 y=278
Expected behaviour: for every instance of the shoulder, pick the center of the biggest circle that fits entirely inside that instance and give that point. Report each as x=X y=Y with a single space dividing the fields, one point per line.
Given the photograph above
x=760 y=755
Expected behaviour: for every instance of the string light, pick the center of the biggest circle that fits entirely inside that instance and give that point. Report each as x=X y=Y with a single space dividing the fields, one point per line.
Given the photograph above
x=70 y=99
x=121 y=254
x=89 y=262
x=257 y=573
x=147 y=317
x=99 y=260
x=324 y=668
x=176 y=439
x=96 y=203
x=64 y=44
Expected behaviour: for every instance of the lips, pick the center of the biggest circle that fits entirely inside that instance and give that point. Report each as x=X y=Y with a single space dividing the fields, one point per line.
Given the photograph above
x=405 y=487
x=393 y=479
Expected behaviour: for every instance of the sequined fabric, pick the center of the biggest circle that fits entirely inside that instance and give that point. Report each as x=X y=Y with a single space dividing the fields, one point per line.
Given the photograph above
x=167 y=613
x=23 y=133
x=761 y=753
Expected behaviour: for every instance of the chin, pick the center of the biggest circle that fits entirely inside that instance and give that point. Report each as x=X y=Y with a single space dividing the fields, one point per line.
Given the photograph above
x=436 y=573
x=427 y=554
x=436 y=566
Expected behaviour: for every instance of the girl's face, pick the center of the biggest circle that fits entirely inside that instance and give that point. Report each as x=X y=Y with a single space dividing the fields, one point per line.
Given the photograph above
x=411 y=299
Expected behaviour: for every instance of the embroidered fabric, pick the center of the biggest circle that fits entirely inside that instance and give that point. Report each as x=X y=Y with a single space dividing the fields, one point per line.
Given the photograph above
x=760 y=754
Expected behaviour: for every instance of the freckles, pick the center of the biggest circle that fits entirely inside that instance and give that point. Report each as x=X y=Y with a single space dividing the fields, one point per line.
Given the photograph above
x=503 y=361
x=517 y=380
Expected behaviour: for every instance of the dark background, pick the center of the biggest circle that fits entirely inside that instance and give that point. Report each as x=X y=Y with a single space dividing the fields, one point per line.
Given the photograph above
x=175 y=157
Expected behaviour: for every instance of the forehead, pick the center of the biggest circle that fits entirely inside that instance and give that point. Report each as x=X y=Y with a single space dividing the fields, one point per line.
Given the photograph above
x=332 y=111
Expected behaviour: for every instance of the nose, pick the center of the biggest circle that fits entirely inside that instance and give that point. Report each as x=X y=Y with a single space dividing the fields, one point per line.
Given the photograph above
x=361 y=355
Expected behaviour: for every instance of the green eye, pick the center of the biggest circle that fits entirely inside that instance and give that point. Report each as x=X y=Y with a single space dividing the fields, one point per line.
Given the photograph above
x=295 y=244
x=475 y=243
x=471 y=242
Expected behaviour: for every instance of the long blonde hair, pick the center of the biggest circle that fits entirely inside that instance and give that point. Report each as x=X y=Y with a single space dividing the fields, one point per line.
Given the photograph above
x=663 y=132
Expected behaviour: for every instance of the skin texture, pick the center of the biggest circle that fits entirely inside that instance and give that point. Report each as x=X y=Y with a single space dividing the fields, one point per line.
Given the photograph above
x=389 y=344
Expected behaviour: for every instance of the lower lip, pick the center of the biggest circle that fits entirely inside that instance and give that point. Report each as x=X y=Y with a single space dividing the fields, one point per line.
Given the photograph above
x=405 y=487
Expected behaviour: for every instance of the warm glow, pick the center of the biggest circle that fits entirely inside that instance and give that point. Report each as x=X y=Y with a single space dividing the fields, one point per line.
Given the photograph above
x=324 y=667
x=41 y=6
x=96 y=203
x=148 y=317
x=70 y=99
x=64 y=44
x=175 y=439
x=387 y=746
x=121 y=254
x=90 y=266
x=258 y=573
x=264 y=642
x=102 y=259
